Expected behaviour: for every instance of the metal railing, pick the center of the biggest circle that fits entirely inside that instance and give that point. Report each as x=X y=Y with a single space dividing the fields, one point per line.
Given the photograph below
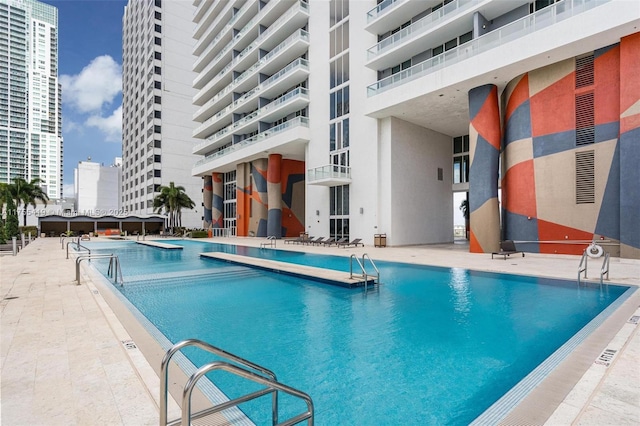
x=271 y=242
x=581 y=268
x=114 y=265
x=330 y=171
x=78 y=246
x=242 y=368
x=365 y=275
x=605 y=268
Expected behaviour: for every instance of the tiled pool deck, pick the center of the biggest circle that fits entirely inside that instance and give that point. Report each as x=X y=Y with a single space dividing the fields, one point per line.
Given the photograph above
x=68 y=359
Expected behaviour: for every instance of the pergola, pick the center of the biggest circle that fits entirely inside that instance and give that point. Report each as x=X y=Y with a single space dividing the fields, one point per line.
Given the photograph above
x=52 y=225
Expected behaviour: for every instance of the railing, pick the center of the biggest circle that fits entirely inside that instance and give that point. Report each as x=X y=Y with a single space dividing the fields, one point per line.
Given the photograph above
x=223 y=232
x=605 y=268
x=363 y=269
x=242 y=368
x=78 y=247
x=298 y=121
x=114 y=270
x=271 y=242
x=420 y=26
x=543 y=18
x=581 y=268
x=377 y=11
x=331 y=171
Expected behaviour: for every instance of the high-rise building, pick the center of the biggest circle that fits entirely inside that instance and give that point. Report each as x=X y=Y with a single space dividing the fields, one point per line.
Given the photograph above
x=30 y=95
x=98 y=188
x=357 y=118
x=157 y=105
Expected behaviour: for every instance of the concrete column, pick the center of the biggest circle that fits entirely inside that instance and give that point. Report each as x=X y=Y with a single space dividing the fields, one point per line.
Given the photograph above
x=274 y=196
x=258 y=197
x=484 y=153
x=217 y=201
x=206 y=200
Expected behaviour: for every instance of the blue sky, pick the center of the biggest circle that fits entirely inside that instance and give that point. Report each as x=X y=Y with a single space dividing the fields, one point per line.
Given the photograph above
x=90 y=71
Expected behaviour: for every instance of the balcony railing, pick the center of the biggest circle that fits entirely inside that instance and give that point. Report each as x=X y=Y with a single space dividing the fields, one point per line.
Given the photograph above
x=421 y=26
x=298 y=121
x=330 y=171
x=517 y=29
x=298 y=63
x=381 y=9
x=295 y=93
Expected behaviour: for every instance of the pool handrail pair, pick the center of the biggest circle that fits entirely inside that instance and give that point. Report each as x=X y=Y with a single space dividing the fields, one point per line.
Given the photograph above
x=259 y=375
x=364 y=269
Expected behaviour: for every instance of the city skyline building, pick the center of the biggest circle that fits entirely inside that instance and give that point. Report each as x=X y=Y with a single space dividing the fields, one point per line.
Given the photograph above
x=157 y=105
x=352 y=119
x=31 y=144
x=98 y=188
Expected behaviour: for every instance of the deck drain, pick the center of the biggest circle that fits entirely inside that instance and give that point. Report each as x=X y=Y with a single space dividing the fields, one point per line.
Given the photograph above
x=95 y=292
x=606 y=357
x=129 y=344
x=634 y=319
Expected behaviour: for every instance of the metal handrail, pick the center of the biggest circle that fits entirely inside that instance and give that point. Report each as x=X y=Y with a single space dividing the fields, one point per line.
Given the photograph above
x=89 y=257
x=164 y=372
x=272 y=387
x=580 y=267
x=605 y=268
x=79 y=246
x=114 y=270
x=271 y=242
x=365 y=255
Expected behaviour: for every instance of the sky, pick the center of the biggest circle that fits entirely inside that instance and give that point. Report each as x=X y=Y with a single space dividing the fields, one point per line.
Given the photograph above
x=90 y=71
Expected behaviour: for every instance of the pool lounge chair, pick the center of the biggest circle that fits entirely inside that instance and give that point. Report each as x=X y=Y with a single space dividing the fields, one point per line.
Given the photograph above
x=356 y=242
x=318 y=240
x=507 y=248
x=298 y=240
x=333 y=240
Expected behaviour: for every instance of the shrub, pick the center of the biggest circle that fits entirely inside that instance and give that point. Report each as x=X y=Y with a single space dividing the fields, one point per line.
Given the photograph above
x=26 y=229
x=199 y=234
x=11 y=225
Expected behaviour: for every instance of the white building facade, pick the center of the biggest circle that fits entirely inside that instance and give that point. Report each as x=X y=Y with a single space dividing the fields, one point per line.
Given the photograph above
x=355 y=118
x=157 y=107
x=31 y=143
x=98 y=188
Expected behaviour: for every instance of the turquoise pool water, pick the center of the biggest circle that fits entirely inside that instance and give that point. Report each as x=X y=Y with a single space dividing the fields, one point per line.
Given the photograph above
x=429 y=346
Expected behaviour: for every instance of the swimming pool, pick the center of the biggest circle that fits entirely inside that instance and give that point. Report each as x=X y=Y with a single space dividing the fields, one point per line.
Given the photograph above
x=430 y=346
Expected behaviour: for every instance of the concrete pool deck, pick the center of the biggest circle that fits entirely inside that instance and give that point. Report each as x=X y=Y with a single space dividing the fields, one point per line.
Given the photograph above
x=67 y=358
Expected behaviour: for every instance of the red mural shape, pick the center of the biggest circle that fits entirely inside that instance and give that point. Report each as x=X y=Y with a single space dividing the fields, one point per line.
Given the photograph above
x=519 y=96
x=548 y=231
x=553 y=109
x=519 y=189
x=607 y=86
x=485 y=119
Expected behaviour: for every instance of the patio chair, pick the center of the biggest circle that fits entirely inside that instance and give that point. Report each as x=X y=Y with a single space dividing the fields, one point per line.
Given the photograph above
x=356 y=242
x=507 y=248
x=318 y=240
x=331 y=241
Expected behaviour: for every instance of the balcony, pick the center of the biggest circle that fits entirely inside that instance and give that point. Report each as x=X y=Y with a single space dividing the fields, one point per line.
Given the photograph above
x=329 y=175
x=411 y=40
x=288 y=138
x=286 y=104
x=391 y=14
x=291 y=75
x=513 y=31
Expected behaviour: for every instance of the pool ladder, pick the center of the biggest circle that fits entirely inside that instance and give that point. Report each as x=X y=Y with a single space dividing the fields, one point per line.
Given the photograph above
x=365 y=275
x=239 y=367
x=604 y=270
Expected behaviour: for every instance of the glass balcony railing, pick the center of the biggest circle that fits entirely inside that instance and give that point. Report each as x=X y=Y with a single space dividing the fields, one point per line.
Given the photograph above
x=543 y=18
x=298 y=63
x=382 y=8
x=224 y=29
x=298 y=92
x=330 y=171
x=421 y=26
x=296 y=122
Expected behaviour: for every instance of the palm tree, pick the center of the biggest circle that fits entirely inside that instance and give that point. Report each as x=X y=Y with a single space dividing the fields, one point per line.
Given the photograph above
x=27 y=193
x=464 y=208
x=172 y=199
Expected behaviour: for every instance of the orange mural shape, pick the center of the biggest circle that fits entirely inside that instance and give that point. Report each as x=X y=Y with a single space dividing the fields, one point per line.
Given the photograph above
x=519 y=189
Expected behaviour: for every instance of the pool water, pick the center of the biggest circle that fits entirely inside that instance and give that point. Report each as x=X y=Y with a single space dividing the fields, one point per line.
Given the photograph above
x=429 y=346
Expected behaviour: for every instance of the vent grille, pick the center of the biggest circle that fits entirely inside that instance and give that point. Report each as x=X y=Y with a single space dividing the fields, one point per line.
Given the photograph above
x=584 y=71
x=585 y=177
x=585 y=119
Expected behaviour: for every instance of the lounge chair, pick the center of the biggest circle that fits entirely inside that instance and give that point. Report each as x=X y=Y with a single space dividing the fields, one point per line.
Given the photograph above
x=356 y=242
x=507 y=248
x=318 y=240
x=333 y=240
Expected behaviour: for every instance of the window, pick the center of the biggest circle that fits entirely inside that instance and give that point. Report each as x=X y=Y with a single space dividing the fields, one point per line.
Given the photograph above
x=339 y=211
x=158 y=28
x=339 y=102
x=338 y=10
x=157 y=41
x=157 y=85
x=461 y=159
x=157 y=55
x=157 y=99
x=158 y=15
x=157 y=129
x=157 y=173
x=157 y=114
x=157 y=70
x=157 y=144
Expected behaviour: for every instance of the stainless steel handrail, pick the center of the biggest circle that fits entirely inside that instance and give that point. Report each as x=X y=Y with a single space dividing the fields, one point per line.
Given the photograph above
x=605 y=268
x=272 y=386
x=114 y=270
x=79 y=246
x=581 y=268
x=164 y=372
x=89 y=257
x=364 y=270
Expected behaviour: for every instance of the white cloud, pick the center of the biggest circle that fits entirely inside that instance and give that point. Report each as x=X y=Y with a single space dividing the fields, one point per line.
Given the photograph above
x=97 y=84
x=111 y=126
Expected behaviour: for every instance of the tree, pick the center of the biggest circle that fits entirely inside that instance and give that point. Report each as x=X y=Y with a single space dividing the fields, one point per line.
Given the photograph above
x=172 y=199
x=464 y=208
x=11 y=226
x=27 y=193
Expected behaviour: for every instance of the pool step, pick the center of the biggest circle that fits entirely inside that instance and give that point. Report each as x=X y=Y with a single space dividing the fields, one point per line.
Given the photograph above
x=177 y=278
x=328 y=276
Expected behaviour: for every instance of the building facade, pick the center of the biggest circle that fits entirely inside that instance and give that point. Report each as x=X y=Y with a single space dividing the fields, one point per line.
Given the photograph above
x=98 y=188
x=30 y=95
x=364 y=117
x=157 y=105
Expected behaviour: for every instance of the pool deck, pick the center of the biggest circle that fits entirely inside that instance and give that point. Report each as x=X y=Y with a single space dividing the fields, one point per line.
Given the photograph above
x=68 y=357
